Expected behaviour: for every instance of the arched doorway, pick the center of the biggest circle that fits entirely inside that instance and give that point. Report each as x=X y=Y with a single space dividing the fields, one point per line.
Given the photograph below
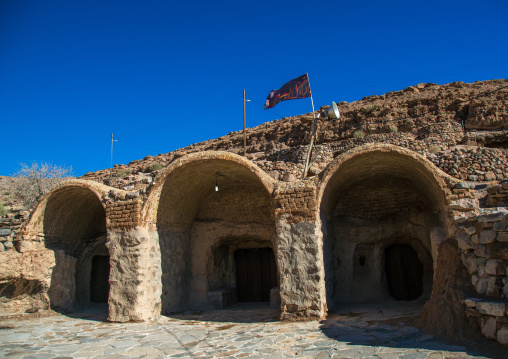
x=75 y=228
x=378 y=209
x=210 y=210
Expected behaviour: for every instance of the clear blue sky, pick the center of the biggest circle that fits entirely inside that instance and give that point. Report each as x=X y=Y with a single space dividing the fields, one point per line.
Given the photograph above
x=162 y=75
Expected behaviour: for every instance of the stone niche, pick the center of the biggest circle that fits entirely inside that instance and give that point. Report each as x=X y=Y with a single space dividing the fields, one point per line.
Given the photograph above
x=377 y=220
x=380 y=249
x=75 y=229
x=202 y=230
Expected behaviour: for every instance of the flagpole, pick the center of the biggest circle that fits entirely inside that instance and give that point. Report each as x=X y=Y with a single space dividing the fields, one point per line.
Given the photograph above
x=314 y=128
x=244 y=134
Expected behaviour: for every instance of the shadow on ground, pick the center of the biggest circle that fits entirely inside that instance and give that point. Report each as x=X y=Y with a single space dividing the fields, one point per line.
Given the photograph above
x=97 y=312
x=394 y=324
x=238 y=313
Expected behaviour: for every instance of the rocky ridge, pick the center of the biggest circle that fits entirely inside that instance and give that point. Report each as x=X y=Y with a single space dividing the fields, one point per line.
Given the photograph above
x=462 y=128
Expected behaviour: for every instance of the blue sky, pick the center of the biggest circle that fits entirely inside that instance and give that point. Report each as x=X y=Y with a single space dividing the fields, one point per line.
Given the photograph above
x=162 y=75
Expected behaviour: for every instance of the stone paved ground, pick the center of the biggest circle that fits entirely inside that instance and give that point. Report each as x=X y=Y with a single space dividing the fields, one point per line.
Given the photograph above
x=242 y=331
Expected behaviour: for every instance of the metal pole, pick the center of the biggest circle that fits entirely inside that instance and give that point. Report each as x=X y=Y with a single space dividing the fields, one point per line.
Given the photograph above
x=111 y=169
x=314 y=127
x=244 y=135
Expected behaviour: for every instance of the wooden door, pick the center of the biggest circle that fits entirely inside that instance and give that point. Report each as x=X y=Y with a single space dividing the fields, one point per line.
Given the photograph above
x=99 y=283
x=255 y=274
x=404 y=272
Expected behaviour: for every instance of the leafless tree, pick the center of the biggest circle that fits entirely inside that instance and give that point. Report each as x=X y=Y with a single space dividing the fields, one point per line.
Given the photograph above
x=37 y=179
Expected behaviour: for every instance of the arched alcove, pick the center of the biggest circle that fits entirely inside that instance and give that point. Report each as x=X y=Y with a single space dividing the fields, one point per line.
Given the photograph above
x=74 y=226
x=199 y=227
x=379 y=205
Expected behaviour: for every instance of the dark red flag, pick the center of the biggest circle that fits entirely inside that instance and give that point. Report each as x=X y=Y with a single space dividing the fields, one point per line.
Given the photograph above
x=296 y=88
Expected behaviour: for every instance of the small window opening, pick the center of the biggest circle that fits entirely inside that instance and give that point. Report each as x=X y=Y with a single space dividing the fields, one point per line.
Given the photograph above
x=363 y=259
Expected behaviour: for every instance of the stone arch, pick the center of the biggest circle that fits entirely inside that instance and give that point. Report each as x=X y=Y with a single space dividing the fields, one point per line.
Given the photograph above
x=73 y=221
x=192 y=220
x=369 y=198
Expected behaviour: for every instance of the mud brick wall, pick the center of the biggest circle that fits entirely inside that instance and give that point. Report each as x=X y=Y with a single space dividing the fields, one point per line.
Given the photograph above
x=124 y=214
x=300 y=203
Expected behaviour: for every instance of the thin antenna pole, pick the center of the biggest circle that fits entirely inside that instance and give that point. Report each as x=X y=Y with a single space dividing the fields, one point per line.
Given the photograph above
x=244 y=135
x=111 y=169
x=314 y=128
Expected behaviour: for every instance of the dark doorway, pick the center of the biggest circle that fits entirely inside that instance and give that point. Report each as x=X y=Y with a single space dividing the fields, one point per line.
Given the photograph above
x=255 y=274
x=404 y=272
x=99 y=283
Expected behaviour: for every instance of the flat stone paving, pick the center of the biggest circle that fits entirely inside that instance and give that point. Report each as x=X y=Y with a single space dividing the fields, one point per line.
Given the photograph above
x=243 y=331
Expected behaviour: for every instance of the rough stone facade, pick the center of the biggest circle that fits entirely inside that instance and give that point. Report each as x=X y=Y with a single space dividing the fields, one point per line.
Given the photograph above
x=483 y=241
x=336 y=237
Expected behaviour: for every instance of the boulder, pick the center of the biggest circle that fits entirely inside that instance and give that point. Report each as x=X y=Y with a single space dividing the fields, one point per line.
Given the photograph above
x=488 y=327
x=465 y=204
x=496 y=266
x=496 y=309
x=502 y=335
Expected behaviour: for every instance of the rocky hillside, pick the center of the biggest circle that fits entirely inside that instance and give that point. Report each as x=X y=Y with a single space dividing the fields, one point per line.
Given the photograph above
x=462 y=128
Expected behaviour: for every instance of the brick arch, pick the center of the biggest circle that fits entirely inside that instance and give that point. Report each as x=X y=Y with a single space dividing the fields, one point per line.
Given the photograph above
x=363 y=161
x=369 y=197
x=72 y=219
x=194 y=174
x=67 y=195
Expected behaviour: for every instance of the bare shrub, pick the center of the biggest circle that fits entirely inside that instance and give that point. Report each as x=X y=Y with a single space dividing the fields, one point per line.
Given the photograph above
x=3 y=211
x=370 y=109
x=434 y=149
x=123 y=172
x=358 y=134
x=155 y=167
x=37 y=179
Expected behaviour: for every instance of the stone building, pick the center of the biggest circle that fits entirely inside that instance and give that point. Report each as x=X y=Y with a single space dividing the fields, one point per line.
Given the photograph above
x=379 y=222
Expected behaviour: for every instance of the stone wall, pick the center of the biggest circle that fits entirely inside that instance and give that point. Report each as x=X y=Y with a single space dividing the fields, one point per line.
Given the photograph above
x=135 y=276
x=483 y=240
x=473 y=164
x=300 y=264
x=497 y=196
x=8 y=227
x=299 y=251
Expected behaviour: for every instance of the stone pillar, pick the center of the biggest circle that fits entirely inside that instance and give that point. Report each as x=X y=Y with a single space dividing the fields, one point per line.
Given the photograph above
x=300 y=255
x=135 y=275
